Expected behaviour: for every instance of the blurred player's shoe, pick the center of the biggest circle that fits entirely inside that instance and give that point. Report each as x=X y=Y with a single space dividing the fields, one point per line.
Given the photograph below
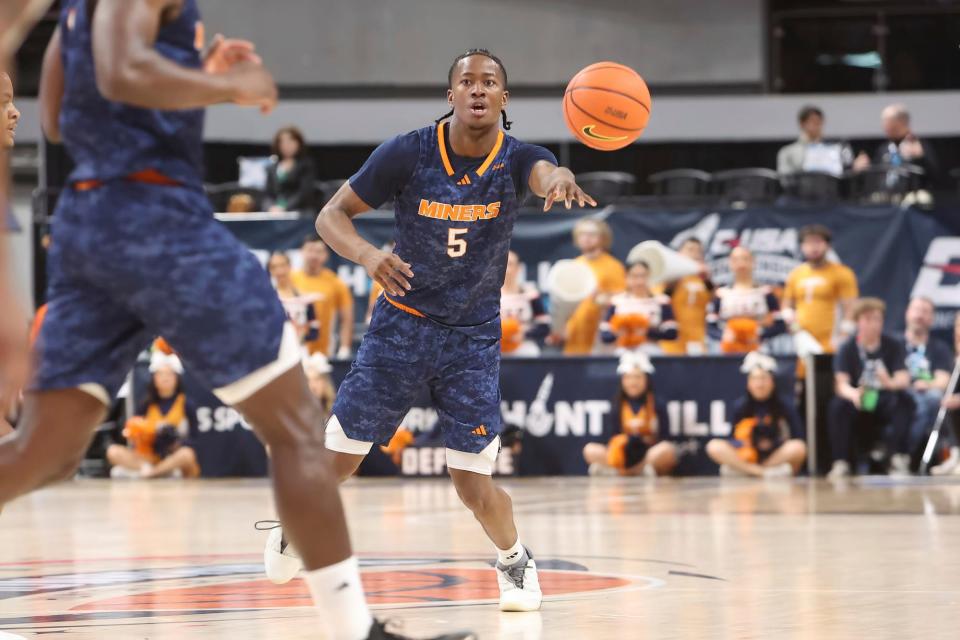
x=900 y=465
x=732 y=472
x=948 y=466
x=519 y=585
x=784 y=470
x=600 y=469
x=280 y=560
x=379 y=632
x=839 y=470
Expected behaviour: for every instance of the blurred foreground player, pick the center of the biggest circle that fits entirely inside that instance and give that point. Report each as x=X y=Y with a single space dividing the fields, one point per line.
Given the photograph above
x=438 y=321
x=124 y=85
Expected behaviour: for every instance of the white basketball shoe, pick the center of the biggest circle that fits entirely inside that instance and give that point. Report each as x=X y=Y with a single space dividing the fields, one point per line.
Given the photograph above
x=519 y=585
x=280 y=560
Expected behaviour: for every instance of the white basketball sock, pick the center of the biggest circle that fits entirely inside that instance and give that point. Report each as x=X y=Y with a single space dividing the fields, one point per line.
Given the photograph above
x=512 y=555
x=338 y=594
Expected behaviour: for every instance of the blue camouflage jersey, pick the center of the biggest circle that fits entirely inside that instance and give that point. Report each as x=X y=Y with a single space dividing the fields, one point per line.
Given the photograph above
x=454 y=219
x=109 y=140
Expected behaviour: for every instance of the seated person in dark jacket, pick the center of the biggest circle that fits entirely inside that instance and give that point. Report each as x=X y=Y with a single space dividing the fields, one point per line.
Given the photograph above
x=902 y=146
x=290 y=179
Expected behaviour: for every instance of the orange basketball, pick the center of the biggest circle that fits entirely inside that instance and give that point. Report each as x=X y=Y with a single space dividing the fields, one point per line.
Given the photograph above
x=606 y=106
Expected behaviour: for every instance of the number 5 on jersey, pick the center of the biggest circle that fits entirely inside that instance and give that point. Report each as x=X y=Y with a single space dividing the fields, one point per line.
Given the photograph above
x=456 y=246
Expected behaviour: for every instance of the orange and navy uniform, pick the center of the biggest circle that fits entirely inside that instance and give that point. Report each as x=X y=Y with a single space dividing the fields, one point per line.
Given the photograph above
x=584 y=324
x=636 y=424
x=690 y=297
x=330 y=297
x=747 y=315
x=814 y=293
x=760 y=428
x=631 y=321
x=141 y=431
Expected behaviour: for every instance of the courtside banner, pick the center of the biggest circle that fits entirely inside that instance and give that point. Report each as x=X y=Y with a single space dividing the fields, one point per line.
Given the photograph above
x=560 y=404
x=892 y=250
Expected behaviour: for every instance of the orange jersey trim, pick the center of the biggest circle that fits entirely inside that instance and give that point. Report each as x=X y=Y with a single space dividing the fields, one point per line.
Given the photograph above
x=493 y=154
x=403 y=307
x=147 y=176
x=442 y=143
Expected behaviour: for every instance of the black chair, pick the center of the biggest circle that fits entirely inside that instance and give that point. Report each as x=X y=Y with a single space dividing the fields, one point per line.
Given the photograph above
x=742 y=187
x=323 y=190
x=815 y=186
x=606 y=185
x=884 y=183
x=680 y=183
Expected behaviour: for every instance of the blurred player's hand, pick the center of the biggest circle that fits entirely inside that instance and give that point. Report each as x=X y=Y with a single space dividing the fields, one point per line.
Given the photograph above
x=388 y=270
x=224 y=53
x=563 y=187
x=253 y=86
x=14 y=353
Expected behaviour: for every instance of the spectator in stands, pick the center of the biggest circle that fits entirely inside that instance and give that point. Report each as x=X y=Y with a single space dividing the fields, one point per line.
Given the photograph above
x=929 y=363
x=290 y=179
x=636 y=318
x=902 y=146
x=318 y=371
x=9 y=114
x=810 y=152
x=871 y=386
x=300 y=308
x=743 y=315
x=593 y=238
x=815 y=289
x=690 y=297
x=157 y=436
x=524 y=320
x=332 y=298
x=766 y=431
x=638 y=426
x=951 y=402
x=375 y=287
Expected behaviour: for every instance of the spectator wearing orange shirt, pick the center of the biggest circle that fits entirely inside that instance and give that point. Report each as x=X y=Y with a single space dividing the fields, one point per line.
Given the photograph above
x=333 y=299
x=593 y=238
x=690 y=297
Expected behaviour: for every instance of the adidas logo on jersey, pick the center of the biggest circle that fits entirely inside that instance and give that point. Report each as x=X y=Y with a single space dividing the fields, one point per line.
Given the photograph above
x=480 y=431
x=464 y=181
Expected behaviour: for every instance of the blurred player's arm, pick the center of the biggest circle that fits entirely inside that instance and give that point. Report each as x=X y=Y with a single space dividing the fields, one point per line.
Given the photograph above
x=335 y=226
x=129 y=69
x=51 y=89
x=556 y=184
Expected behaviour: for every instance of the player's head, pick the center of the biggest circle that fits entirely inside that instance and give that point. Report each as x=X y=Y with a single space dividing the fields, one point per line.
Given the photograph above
x=289 y=143
x=741 y=263
x=868 y=314
x=278 y=266
x=477 y=92
x=592 y=236
x=896 y=121
x=638 y=278
x=692 y=248
x=315 y=254
x=815 y=243
x=9 y=115
x=811 y=122
x=513 y=268
x=920 y=314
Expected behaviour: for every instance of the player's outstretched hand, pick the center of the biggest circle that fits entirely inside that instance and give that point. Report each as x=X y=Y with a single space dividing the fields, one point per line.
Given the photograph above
x=389 y=270
x=224 y=53
x=253 y=86
x=565 y=188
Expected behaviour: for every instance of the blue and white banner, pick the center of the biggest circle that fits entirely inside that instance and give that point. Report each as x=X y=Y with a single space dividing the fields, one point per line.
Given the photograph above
x=560 y=404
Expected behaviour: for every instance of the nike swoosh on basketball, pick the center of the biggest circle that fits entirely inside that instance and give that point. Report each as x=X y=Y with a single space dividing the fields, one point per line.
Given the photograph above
x=588 y=131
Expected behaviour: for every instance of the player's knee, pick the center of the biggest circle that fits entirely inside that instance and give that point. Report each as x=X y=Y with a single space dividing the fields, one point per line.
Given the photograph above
x=476 y=496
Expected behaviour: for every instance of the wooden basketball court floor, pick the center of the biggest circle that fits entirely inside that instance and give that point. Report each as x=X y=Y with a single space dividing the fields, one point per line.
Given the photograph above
x=696 y=558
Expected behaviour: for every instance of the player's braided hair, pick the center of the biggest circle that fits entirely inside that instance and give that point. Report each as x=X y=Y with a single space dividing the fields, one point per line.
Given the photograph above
x=477 y=52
